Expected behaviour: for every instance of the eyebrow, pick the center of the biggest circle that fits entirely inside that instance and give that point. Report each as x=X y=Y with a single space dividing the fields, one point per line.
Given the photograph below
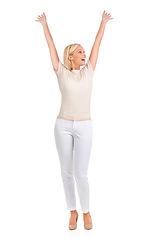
x=80 y=49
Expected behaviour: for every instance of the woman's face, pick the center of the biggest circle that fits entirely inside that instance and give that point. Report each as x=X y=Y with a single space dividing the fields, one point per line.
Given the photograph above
x=78 y=57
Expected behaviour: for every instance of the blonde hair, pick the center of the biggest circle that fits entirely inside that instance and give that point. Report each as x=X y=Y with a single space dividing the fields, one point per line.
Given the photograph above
x=69 y=51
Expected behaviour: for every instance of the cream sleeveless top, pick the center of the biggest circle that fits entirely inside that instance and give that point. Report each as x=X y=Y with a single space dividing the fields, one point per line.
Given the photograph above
x=75 y=87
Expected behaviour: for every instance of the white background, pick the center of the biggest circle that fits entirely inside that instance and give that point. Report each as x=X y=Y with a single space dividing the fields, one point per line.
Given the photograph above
x=124 y=172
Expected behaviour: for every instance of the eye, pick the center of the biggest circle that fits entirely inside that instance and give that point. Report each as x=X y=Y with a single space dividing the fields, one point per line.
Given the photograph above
x=80 y=52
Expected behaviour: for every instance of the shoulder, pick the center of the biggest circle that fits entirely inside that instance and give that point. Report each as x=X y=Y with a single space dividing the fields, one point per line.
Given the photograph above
x=88 y=67
x=61 y=68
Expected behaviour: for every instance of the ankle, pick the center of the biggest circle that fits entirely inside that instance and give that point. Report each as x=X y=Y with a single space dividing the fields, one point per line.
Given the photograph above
x=73 y=212
x=85 y=213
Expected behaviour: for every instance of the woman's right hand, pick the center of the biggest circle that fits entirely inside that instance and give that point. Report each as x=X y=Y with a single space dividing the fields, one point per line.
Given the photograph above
x=42 y=19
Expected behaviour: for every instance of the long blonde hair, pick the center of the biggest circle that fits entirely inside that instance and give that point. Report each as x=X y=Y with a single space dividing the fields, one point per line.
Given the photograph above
x=69 y=51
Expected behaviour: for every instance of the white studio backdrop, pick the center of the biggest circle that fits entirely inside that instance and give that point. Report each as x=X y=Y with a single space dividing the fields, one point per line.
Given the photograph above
x=125 y=109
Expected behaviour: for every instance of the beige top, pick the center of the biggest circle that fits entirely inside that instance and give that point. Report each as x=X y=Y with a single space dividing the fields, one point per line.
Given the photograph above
x=75 y=87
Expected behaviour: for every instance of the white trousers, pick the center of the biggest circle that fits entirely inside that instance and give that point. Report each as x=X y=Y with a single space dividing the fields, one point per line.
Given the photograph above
x=73 y=142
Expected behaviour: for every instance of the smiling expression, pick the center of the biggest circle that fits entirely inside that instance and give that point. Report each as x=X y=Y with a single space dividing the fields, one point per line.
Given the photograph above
x=77 y=58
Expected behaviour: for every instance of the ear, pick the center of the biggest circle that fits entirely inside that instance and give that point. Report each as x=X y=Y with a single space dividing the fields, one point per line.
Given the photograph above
x=70 y=58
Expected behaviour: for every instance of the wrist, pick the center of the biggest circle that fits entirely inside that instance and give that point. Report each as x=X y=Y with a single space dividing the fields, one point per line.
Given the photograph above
x=104 y=22
x=44 y=24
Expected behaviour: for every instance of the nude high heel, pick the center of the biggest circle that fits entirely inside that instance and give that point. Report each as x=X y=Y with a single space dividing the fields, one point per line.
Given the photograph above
x=88 y=226
x=73 y=227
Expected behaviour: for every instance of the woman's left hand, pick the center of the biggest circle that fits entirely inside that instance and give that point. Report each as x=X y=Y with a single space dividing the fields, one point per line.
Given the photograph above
x=106 y=17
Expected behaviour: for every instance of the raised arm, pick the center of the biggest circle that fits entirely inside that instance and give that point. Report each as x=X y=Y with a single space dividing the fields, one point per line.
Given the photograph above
x=95 y=49
x=49 y=39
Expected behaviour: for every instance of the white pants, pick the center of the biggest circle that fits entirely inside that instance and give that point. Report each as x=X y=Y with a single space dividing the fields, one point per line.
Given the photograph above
x=73 y=141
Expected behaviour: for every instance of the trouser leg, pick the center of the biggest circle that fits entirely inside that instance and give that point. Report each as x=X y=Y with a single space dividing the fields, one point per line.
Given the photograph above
x=64 y=143
x=82 y=150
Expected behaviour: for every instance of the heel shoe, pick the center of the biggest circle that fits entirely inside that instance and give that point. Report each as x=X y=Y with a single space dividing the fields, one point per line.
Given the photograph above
x=88 y=226
x=73 y=227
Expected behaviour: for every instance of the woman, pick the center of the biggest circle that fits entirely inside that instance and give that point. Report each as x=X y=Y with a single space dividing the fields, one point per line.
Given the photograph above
x=73 y=126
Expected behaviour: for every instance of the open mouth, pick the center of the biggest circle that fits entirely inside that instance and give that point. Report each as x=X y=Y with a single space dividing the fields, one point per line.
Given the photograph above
x=83 y=59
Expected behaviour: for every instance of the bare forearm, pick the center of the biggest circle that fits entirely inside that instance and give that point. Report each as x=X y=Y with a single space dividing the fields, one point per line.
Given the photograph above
x=49 y=39
x=47 y=34
x=100 y=33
